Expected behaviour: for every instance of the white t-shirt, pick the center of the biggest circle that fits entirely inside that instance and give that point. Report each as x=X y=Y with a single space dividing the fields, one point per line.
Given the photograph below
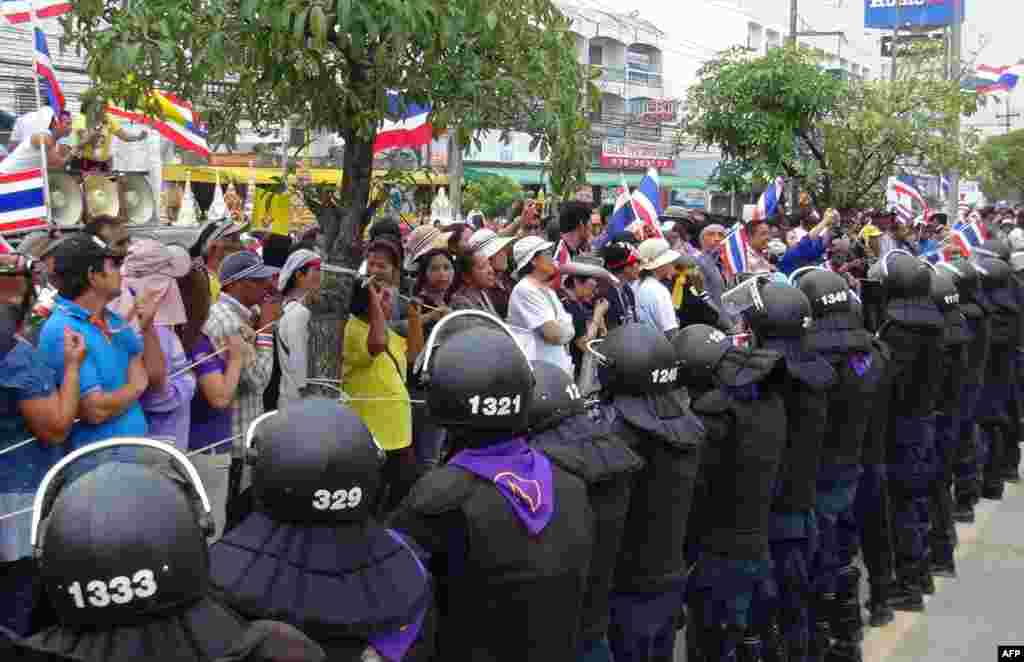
x=529 y=307
x=292 y=355
x=24 y=157
x=654 y=304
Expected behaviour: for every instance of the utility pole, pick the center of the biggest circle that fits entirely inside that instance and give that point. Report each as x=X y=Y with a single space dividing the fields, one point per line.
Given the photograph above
x=793 y=20
x=895 y=42
x=1008 y=116
x=956 y=37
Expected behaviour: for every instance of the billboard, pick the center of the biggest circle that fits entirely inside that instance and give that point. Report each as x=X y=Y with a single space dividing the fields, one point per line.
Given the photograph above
x=887 y=14
x=617 y=153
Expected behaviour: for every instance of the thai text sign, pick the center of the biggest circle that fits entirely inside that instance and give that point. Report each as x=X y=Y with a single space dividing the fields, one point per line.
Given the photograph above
x=621 y=154
x=658 y=110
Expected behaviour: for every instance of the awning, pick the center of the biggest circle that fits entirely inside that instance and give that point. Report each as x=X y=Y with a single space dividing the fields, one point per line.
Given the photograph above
x=523 y=176
x=532 y=177
x=241 y=174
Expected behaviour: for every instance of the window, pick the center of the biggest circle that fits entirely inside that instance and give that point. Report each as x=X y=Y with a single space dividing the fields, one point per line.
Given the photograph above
x=754 y=36
x=596 y=54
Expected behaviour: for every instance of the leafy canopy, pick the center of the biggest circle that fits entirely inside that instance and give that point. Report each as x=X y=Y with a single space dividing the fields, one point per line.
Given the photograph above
x=1002 y=165
x=492 y=195
x=783 y=114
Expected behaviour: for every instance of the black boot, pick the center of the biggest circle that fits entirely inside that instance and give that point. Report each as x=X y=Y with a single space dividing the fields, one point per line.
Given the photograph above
x=963 y=511
x=751 y=648
x=773 y=644
x=846 y=620
x=992 y=475
x=878 y=604
x=927 y=582
x=906 y=593
x=821 y=642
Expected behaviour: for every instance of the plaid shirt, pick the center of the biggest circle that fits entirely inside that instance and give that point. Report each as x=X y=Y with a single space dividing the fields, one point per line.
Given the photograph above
x=226 y=318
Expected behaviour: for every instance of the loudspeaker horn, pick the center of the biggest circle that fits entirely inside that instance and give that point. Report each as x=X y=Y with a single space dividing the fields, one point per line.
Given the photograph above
x=65 y=199
x=101 y=196
x=138 y=203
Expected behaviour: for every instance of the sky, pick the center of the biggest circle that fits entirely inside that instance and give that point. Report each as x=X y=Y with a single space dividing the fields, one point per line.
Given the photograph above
x=999 y=24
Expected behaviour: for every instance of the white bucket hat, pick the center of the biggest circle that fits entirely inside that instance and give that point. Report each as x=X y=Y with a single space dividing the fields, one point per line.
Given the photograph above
x=655 y=253
x=487 y=243
x=526 y=249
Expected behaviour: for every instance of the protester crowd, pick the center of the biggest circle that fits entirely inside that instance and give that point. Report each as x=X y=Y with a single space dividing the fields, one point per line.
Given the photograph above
x=687 y=460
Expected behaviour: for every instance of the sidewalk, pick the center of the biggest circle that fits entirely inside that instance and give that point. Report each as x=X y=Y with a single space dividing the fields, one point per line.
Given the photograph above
x=969 y=616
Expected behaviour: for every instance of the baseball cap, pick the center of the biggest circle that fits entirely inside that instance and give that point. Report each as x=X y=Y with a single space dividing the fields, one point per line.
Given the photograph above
x=78 y=249
x=244 y=265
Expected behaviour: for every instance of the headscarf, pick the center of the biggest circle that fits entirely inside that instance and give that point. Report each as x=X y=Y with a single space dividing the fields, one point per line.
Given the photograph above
x=151 y=265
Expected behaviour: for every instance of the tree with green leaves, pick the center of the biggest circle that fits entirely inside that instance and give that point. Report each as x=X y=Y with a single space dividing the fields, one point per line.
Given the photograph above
x=329 y=64
x=1002 y=166
x=491 y=194
x=782 y=114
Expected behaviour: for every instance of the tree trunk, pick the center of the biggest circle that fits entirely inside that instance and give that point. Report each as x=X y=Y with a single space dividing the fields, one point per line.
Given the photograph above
x=341 y=241
x=455 y=174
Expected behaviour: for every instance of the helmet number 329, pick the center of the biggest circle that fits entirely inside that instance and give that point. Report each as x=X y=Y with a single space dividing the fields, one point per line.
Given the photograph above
x=338 y=499
x=119 y=590
x=492 y=406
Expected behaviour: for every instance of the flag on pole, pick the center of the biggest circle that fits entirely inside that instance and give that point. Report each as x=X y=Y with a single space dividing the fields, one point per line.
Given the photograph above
x=622 y=215
x=22 y=201
x=177 y=122
x=735 y=249
x=902 y=192
x=768 y=203
x=409 y=129
x=647 y=205
x=969 y=235
x=20 y=11
x=44 y=67
x=994 y=80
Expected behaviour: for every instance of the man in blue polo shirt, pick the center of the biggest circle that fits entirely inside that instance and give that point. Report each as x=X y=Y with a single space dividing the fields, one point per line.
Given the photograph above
x=113 y=376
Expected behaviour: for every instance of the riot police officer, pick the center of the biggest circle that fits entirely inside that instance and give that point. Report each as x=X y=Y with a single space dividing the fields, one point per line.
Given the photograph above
x=509 y=532
x=838 y=333
x=127 y=577
x=652 y=414
x=913 y=329
x=780 y=323
x=746 y=428
x=310 y=552
x=586 y=446
x=955 y=357
x=976 y=307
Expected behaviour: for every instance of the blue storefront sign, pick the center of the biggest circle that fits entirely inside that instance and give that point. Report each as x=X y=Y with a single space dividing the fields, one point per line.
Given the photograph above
x=886 y=14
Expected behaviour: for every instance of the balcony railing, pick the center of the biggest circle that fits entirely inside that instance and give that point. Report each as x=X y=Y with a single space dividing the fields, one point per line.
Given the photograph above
x=632 y=76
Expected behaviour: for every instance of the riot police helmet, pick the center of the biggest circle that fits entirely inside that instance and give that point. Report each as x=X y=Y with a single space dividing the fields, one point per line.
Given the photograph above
x=315 y=461
x=904 y=276
x=699 y=348
x=477 y=378
x=785 y=312
x=125 y=542
x=638 y=360
x=556 y=396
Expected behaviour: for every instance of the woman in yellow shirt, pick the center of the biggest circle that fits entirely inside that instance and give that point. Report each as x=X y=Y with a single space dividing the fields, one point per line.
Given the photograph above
x=375 y=364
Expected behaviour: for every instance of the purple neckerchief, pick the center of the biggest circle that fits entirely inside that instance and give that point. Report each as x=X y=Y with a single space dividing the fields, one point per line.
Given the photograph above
x=521 y=474
x=861 y=363
x=394 y=645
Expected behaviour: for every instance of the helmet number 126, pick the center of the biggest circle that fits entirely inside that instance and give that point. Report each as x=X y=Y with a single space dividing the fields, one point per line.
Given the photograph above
x=119 y=590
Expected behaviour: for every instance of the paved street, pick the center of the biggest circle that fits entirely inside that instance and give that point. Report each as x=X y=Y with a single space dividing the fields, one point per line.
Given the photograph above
x=967 y=617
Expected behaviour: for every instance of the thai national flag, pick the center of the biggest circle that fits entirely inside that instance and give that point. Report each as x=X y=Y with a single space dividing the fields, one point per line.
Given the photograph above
x=19 y=11
x=905 y=194
x=735 y=249
x=992 y=80
x=177 y=122
x=622 y=216
x=969 y=235
x=22 y=201
x=646 y=205
x=44 y=67
x=768 y=203
x=411 y=129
